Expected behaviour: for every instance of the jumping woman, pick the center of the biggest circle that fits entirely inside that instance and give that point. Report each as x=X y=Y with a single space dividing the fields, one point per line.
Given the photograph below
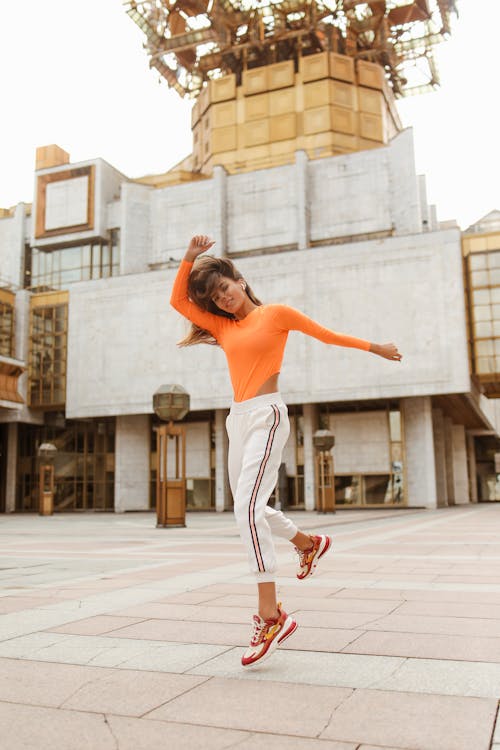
x=217 y=300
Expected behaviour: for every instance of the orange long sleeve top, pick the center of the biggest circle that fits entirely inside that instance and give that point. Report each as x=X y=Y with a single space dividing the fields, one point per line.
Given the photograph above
x=254 y=346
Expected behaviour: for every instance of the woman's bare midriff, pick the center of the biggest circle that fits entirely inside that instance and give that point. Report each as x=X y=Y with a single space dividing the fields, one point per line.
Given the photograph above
x=270 y=386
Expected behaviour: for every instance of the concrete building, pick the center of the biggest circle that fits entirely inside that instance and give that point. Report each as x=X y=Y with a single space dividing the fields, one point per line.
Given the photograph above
x=87 y=334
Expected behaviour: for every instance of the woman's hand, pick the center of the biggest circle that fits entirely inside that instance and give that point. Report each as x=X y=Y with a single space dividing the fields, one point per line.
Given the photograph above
x=199 y=244
x=388 y=351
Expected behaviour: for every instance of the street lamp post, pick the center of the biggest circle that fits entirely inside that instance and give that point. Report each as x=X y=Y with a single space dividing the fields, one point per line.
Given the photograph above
x=323 y=441
x=46 y=454
x=171 y=403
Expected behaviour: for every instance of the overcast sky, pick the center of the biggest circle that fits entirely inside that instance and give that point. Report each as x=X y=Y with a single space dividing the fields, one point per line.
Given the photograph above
x=75 y=73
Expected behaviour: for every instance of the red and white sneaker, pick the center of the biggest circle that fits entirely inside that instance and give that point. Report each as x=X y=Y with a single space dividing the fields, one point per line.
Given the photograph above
x=308 y=559
x=267 y=636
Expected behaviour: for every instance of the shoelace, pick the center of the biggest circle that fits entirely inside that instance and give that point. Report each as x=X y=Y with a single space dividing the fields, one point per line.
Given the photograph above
x=304 y=555
x=259 y=627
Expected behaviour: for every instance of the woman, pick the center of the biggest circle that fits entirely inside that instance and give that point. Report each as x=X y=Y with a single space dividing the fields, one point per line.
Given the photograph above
x=224 y=311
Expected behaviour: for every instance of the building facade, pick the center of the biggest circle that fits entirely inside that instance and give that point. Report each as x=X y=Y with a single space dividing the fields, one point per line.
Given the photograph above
x=87 y=334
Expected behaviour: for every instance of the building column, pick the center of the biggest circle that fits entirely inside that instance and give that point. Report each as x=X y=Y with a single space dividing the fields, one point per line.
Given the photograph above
x=448 y=449
x=439 y=457
x=472 y=469
x=303 y=212
x=11 y=478
x=223 y=499
x=310 y=412
x=419 y=452
x=460 y=474
x=132 y=462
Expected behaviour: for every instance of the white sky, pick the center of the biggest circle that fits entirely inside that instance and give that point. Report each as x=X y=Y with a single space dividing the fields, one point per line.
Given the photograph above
x=74 y=73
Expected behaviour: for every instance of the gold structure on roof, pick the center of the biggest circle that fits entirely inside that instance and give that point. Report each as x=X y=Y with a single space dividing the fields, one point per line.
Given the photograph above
x=192 y=41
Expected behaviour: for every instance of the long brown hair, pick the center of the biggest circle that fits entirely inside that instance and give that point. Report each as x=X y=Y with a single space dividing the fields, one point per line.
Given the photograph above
x=203 y=281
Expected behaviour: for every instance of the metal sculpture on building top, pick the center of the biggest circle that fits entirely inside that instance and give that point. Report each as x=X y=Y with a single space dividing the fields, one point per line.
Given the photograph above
x=191 y=41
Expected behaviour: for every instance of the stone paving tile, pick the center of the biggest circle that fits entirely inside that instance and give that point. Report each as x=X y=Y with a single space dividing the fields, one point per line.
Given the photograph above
x=496 y=733
x=397 y=719
x=427 y=646
x=43 y=684
x=37 y=728
x=110 y=652
x=19 y=603
x=467 y=579
x=451 y=609
x=25 y=646
x=338 y=670
x=96 y=625
x=188 y=597
x=425 y=595
x=219 y=702
x=320 y=619
x=294 y=603
x=320 y=639
x=145 y=734
x=273 y=742
x=479 y=679
x=171 y=657
x=131 y=693
x=436 y=625
x=190 y=632
x=190 y=612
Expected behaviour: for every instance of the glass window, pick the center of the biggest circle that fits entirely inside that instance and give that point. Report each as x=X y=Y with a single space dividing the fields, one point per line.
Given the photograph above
x=483 y=329
x=482 y=312
x=71 y=258
x=395 y=425
x=485 y=365
x=494 y=259
x=481 y=296
x=480 y=278
x=477 y=261
x=378 y=489
x=59 y=268
x=484 y=348
x=47 y=356
x=6 y=329
x=347 y=490
x=81 y=481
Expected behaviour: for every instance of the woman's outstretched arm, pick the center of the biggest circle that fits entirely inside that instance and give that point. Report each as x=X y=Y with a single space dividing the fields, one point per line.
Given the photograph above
x=290 y=319
x=179 y=298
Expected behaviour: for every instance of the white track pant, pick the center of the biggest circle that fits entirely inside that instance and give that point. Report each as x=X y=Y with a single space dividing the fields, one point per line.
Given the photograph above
x=258 y=430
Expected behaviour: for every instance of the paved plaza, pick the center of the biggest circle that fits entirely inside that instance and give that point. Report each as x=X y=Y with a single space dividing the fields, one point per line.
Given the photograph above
x=117 y=635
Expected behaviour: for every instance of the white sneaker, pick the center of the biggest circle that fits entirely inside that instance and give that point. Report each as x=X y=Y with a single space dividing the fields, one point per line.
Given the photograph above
x=308 y=559
x=267 y=636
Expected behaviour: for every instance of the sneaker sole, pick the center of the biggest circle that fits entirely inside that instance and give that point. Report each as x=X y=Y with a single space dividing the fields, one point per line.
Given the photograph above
x=326 y=546
x=290 y=627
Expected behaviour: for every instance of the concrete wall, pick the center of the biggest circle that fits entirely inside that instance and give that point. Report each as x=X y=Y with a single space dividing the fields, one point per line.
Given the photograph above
x=362 y=442
x=407 y=290
x=135 y=228
x=12 y=239
x=311 y=201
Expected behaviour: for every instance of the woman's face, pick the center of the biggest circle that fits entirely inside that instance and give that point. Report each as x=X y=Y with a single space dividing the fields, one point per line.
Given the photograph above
x=229 y=295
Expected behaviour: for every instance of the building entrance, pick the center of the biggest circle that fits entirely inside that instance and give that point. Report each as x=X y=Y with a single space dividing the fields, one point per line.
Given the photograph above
x=84 y=465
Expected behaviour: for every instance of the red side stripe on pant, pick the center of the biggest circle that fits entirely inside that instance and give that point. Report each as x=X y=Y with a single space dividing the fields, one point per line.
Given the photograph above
x=255 y=491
